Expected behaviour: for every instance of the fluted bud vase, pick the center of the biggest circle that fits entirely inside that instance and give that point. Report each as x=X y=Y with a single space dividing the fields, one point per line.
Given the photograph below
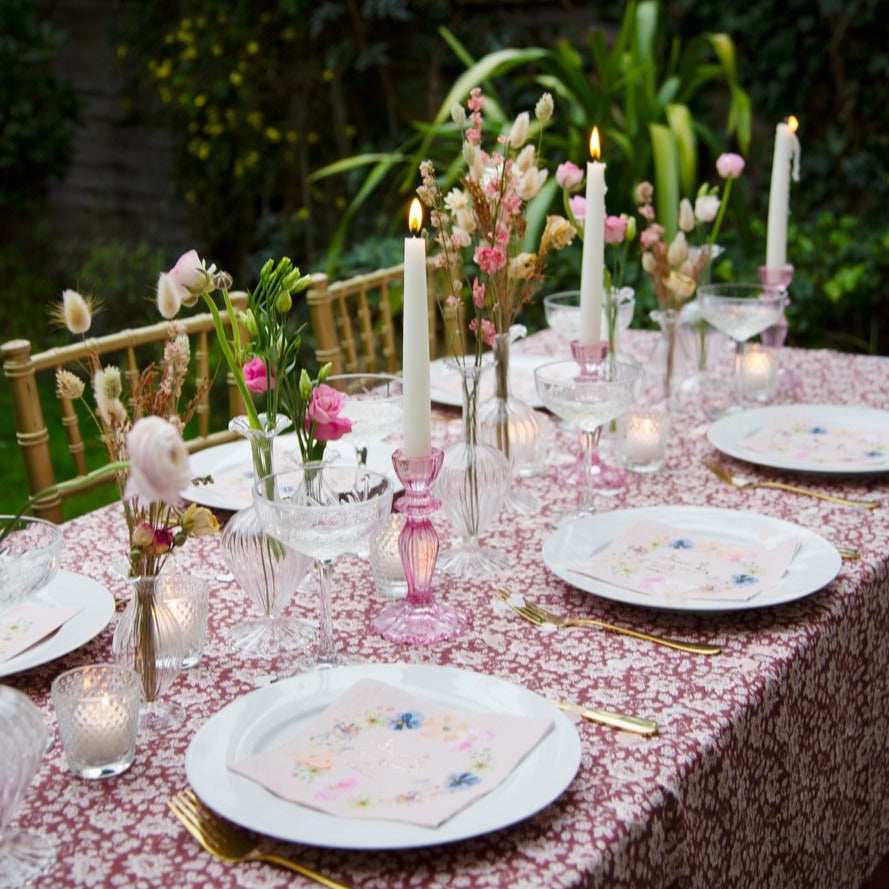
x=267 y=570
x=472 y=485
x=418 y=619
x=513 y=427
x=149 y=639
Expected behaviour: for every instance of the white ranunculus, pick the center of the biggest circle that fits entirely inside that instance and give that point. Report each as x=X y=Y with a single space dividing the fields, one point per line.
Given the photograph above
x=159 y=465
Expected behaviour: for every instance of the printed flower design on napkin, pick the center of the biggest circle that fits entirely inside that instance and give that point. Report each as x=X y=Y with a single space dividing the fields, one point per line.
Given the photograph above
x=812 y=441
x=377 y=752
x=652 y=558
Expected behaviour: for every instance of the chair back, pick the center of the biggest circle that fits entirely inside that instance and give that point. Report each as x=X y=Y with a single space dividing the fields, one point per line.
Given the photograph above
x=22 y=370
x=353 y=321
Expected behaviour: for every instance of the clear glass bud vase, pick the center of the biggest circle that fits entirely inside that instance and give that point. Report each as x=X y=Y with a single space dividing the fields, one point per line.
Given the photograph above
x=513 y=427
x=150 y=639
x=472 y=485
x=267 y=570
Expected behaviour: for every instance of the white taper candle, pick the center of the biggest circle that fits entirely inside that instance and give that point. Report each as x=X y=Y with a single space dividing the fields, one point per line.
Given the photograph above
x=592 y=272
x=785 y=158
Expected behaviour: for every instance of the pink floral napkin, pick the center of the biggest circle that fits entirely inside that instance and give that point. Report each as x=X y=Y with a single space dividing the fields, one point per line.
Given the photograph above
x=655 y=559
x=378 y=752
x=808 y=440
x=28 y=623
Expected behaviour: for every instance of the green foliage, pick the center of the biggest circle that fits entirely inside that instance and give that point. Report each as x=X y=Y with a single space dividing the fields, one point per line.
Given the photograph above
x=37 y=112
x=640 y=90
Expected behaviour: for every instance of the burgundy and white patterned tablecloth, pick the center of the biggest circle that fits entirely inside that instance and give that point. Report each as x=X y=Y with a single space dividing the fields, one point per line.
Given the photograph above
x=771 y=767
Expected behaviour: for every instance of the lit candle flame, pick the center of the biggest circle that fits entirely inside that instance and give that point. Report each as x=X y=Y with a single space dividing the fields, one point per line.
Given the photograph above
x=595 y=146
x=793 y=123
x=415 y=217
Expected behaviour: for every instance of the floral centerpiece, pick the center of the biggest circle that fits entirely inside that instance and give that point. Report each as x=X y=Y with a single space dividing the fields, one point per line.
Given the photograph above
x=676 y=269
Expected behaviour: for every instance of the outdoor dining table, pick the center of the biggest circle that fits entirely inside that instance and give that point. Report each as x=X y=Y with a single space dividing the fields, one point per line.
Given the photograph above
x=771 y=765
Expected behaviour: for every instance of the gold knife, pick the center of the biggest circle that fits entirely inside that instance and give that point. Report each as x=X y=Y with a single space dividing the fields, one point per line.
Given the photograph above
x=634 y=724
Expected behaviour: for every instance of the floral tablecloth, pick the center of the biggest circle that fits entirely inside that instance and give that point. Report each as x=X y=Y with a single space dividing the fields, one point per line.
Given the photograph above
x=771 y=767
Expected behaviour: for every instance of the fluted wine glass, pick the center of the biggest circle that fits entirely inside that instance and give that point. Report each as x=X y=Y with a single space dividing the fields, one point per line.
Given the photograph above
x=741 y=311
x=589 y=396
x=23 y=854
x=323 y=510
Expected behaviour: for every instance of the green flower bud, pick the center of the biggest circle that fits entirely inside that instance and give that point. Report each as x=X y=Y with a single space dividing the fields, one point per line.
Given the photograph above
x=249 y=322
x=322 y=374
x=305 y=385
x=630 y=232
x=266 y=268
x=284 y=303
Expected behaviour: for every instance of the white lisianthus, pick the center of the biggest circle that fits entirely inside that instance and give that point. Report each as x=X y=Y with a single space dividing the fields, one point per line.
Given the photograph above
x=159 y=464
x=706 y=207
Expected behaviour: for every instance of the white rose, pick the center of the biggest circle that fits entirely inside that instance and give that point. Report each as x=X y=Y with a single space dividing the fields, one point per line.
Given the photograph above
x=159 y=465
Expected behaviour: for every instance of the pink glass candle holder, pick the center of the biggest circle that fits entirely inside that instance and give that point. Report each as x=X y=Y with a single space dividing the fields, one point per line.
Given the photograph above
x=588 y=354
x=418 y=618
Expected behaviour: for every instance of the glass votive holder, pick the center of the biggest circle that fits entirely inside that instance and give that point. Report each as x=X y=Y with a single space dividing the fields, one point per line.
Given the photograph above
x=385 y=558
x=759 y=372
x=642 y=437
x=187 y=597
x=97 y=707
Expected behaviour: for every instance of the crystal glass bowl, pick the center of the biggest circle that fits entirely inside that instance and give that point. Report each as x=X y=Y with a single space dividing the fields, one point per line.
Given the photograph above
x=29 y=557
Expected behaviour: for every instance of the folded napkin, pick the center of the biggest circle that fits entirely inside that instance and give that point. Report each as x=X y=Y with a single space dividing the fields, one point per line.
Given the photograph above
x=655 y=559
x=377 y=752
x=28 y=623
x=809 y=440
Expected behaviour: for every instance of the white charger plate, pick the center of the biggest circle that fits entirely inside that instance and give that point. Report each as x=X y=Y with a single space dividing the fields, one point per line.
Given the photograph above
x=269 y=716
x=445 y=387
x=66 y=589
x=815 y=565
x=233 y=462
x=729 y=433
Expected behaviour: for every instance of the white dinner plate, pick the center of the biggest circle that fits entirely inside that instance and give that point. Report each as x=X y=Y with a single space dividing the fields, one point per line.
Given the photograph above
x=231 y=466
x=815 y=564
x=269 y=716
x=729 y=433
x=96 y=608
x=445 y=386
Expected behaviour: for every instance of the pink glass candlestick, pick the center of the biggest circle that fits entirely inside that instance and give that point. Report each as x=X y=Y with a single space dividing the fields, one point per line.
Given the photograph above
x=418 y=618
x=587 y=354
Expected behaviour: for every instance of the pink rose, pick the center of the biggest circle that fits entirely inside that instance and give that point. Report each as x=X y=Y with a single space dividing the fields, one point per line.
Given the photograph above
x=490 y=259
x=578 y=207
x=255 y=376
x=568 y=175
x=159 y=467
x=189 y=275
x=730 y=165
x=615 y=229
x=323 y=411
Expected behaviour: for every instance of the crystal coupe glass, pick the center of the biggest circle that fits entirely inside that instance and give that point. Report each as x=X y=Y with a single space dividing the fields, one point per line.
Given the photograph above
x=588 y=395
x=29 y=557
x=741 y=311
x=323 y=510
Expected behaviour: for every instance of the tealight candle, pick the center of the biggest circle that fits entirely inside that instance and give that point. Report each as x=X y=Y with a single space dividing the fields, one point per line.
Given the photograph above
x=386 y=566
x=98 y=713
x=759 y=372
x=642 y=434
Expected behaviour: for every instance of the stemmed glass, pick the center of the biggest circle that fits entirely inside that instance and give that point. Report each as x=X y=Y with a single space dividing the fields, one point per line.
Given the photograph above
x=741 y=311
x=374 y=407
x=29 y=557
x=323 y=510
x=562 y=311
x=589 y=395
x=23 y=854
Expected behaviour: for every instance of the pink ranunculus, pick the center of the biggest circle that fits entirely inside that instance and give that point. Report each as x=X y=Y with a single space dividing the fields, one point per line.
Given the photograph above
x=189 y=274
x=159 y=467
x=490 y=259
x=568 y=175
x=730 y=165
x=578 y=207
x=615 y=229
x=324 y=411
x=255 y=376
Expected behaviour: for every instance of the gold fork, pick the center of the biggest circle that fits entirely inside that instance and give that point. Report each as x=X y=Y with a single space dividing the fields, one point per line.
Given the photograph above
x=539 y=616
x=726 y=476
x=226 y=841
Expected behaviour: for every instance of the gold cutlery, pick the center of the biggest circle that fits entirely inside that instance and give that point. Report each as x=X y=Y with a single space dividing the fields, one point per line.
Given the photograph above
x=645 y=727
x=231 y=843
x=726 y=476
x=539 y=616
x=849 y=554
